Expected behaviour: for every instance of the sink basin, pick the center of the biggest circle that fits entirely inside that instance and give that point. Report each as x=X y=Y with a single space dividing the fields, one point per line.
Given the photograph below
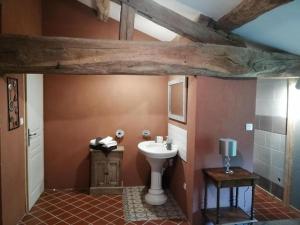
x=156 y=154
x=157 y=150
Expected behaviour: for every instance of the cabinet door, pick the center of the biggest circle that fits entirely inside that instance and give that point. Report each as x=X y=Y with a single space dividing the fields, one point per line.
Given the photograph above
x=100 y=176
x=113 y=167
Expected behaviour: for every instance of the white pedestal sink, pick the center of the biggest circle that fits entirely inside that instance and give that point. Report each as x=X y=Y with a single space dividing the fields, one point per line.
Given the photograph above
x=156 y=154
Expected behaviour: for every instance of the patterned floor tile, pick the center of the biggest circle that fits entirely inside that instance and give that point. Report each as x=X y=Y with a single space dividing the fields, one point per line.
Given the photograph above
x=136 y=209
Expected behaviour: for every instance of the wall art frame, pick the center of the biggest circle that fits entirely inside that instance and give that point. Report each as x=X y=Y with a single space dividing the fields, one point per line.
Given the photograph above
x=13 y=103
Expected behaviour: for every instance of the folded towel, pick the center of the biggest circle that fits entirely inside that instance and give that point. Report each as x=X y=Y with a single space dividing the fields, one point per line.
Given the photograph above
x=110 y=144
x=106 y=140
x=93 y=142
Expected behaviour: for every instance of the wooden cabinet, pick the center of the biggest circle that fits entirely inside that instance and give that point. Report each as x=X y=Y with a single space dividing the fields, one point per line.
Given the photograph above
x=106 y=172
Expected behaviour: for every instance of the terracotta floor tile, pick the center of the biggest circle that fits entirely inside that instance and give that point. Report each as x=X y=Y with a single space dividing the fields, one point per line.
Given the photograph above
x=38 y=213
x=267 y=207
x=52 y=221
x=27 y=218
x=83 y=214
x=34 y=222
x=62 y=223
x=103 y=222
x=75 y=211
x=91 y=218
x=86 y=206
x=81 y=222
x=64 y=215
x=45 y=217
x=102 y=205
x=72 y=220
x=119 y=222
x=110 y=217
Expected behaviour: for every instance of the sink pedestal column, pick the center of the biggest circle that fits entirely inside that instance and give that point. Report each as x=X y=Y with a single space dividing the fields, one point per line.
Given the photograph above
x=155 y=195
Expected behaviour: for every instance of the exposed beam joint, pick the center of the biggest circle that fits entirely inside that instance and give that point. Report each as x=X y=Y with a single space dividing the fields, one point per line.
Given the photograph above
x=127 y=22
x=179 y=24
x=247 y=11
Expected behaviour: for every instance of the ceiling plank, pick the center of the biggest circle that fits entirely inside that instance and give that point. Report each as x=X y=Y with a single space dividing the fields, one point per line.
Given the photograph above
x=179 y=24
x=127 y=22
x=53 y=55
x=247 y=11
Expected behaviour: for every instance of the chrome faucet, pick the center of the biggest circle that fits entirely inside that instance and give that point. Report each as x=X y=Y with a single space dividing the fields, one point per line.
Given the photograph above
x=168 y=143
x=159 y=139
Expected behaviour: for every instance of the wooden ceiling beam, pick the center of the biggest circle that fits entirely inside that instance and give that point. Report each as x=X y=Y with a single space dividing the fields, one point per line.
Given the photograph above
x=247 y=11
x=126 y=22
x=52 y=55
x=173 y=21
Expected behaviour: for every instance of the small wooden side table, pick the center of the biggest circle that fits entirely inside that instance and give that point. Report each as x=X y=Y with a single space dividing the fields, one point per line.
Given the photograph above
x=232 y=214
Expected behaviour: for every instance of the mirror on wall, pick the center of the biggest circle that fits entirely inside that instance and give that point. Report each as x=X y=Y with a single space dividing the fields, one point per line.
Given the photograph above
x=177 y=93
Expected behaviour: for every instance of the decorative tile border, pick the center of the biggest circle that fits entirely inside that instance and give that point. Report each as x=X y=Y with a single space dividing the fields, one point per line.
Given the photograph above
x=270 y=186
x=136 y=209
x=274 y=124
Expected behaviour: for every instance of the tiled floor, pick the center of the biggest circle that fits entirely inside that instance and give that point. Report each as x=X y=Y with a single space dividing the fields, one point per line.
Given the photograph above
x=71 y=207
x=267 y=207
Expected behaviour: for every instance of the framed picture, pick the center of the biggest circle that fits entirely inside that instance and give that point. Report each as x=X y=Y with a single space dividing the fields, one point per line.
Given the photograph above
x=13 y=103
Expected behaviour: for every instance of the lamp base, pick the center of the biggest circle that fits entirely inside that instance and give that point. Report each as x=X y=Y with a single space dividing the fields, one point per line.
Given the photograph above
x=228 y=171
x=227 y=166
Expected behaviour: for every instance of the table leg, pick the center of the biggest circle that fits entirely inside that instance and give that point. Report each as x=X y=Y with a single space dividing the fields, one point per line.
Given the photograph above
x=218 y=205
x=231 y=197
x=252 y=202
x=205 y=194
x=236 y=197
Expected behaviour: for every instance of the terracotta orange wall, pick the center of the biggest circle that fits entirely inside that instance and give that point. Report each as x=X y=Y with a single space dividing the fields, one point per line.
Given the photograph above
x=182 y=171
x=17 y=18
x=223 y=109
x=216 y=108
x=78 y=108
x=70 y=18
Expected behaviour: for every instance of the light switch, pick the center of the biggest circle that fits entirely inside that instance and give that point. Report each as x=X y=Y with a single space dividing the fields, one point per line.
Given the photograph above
x=249 y=126
x=21 y=121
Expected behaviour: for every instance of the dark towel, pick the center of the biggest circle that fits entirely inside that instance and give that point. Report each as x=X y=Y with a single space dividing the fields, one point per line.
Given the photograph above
x=101 y=147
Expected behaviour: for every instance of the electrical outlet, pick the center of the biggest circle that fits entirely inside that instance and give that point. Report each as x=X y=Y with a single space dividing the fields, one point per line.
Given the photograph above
x=184 y=186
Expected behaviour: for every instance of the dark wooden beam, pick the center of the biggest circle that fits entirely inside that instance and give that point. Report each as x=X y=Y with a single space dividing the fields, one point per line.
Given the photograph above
x=127 y=22
x=53 y=55
x=247 y=11
x=179 y=24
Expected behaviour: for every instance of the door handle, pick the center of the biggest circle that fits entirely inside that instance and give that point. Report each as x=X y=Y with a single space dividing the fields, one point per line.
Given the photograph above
x=32 y=134
x=29 y=136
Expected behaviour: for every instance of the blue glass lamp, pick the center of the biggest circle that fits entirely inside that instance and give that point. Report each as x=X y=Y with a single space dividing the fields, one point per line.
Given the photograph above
x=228 y=148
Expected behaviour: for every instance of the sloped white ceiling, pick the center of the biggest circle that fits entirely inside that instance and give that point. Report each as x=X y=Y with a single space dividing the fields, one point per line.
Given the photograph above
x=186 y=9
x=142 y=24
x=190 y=9
x=277 y=28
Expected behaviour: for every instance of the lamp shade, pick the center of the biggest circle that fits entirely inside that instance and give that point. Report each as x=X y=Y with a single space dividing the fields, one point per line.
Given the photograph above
x=228 y=147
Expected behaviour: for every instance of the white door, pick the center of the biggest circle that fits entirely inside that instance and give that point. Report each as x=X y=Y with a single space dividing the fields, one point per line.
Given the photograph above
x=35 y=137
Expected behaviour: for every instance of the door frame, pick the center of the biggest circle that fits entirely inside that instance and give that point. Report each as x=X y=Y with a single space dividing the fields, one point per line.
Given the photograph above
x=289 y=145
x=26 y=144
